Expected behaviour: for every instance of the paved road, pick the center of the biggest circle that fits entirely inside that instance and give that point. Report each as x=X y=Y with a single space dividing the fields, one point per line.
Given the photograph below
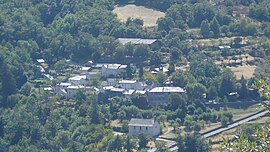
x=235 y=124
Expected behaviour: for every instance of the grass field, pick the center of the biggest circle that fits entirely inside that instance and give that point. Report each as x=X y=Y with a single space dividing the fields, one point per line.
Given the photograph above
x=241 y=113
x=246 y=70
x=149 y=16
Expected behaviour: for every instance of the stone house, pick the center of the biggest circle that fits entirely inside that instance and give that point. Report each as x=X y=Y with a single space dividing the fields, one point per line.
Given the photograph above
x=146 y=126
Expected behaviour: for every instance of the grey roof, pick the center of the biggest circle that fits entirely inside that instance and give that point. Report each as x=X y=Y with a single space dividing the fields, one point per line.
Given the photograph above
x=136 y=41
x=141 y=122
x=168 y=89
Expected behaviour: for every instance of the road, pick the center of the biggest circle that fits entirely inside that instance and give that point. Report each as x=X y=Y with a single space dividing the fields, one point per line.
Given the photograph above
x=234 y=124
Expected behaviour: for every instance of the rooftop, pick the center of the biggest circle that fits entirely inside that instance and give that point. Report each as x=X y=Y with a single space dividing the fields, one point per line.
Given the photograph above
x=114 y=66
x=40 y=60
x=140 y=92
x=64 y=84
x=85 y=68
x=141 y=122
x=117 y=89
x=136 y=41
x=75 y=87
x=168 y=89
x=127 y=81
x=129 y=92
x=78 y=77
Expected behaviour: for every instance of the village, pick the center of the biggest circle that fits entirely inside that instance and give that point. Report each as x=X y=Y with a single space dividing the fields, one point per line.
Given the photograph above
x=109 y=80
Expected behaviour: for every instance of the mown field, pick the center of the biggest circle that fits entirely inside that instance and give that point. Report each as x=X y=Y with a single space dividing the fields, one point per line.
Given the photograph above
x=149 y=16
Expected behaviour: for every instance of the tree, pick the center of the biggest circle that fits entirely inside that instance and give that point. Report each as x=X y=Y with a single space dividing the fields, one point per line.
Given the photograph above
x=205 y=28
x=129 y=72
x=161 y=78
x=197 y=127
x=171 y=68
x=177 y=101
x=161 y=147
x=224 y=120
x=180 y=143
x=227 y=83
x=95 y=115
x=143 y=140
x=1 y=127
x=129 y=145
x=165 y=24
x=215 y=27
x=155 y=59
x=141 y=52
x=180 y=79
x=115 y=144
x=8 y=83
x=140 y=101
x=196 y=91
x=243 y=90
x=141 y=72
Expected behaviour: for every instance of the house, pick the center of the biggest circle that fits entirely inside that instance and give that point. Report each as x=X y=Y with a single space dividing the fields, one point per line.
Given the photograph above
x=130 y=84
x=40 y=61
x=62 y=85
x=112 y=70
x=84 y=70
x=71 y=90
x=146 y=126
x=128 y=93
x=91 y=75
x=113 y=92
x=154 y=44
x=159 y=69
x=161 y=95
x=78 y=80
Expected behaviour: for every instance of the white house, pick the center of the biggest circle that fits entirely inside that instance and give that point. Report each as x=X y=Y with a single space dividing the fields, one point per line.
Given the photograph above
x=84 y=70
x=130 y=84
x=78 y=80
x=40 y=61
x=146 y=126
x=161 y=95
x=112 y=70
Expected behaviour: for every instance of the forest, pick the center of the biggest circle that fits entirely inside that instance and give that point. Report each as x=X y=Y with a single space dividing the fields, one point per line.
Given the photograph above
x=86 y=30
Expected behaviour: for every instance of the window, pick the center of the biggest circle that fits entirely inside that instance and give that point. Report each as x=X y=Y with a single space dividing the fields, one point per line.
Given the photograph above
x=134 y=128
x=146 y=128
x=140 y=128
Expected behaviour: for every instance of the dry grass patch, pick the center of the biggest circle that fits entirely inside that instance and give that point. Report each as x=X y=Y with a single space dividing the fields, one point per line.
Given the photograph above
x=149 y=16
x=246 y=70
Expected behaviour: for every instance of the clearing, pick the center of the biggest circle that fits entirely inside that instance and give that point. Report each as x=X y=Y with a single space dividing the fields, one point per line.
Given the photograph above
x=246 y=70
x=149 y=16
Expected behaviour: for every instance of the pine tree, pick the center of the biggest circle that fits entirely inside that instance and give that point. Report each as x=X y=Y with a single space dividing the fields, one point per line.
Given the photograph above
x=129 y=72
x=243 y=90
x=205 y=29
x=129 y=145
x=141 y=72
x=95 y=116
x=1 y=127
x=215 y=27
